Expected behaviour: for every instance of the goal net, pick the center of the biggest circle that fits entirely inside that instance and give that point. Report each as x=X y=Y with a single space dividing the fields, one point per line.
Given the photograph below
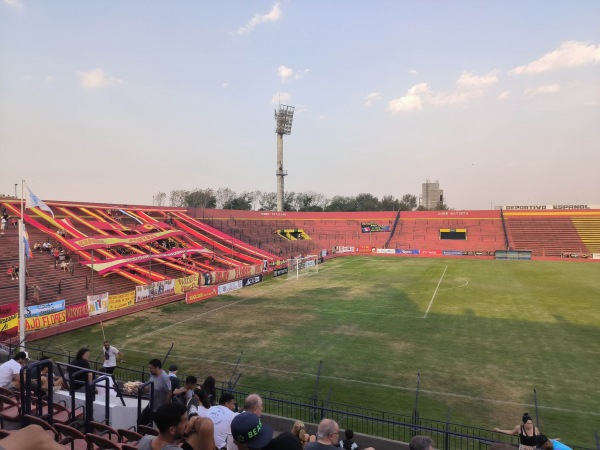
x=298 y=267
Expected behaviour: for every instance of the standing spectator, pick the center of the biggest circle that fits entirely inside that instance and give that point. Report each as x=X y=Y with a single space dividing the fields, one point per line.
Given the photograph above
x=110 y=357
x=36 y=293
x=81 y=361
x=162 y=390
x=527 y=433
x=221 y=416
x=14 y=222
x=2 y=225
x=10 y=370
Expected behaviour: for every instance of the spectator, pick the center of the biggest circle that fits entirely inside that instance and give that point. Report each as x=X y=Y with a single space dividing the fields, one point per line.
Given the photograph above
x=41 y=376
x=175 y=381
x=101 y=386
x=110 y=357
x=348 y=443
x=253 y=404
x=328 y=435
x=543 y=443
x=173 y=426
x=36 y=293
x=221 y=416
x=527 y=433
x=162 y=390
x=249 y=432
x=37 y=246
x=209 y=386
x=16 y=272
x=10 y=272
x=10 y=370
x=299 y=430
x=2 y=225
x=184 y=394
x=14 y=222
x=32 y=437
x=421 y=443
x=81 y=361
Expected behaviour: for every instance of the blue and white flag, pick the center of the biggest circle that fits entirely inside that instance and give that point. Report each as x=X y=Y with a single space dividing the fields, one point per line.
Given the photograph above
x=34 y=201
x=26 y=246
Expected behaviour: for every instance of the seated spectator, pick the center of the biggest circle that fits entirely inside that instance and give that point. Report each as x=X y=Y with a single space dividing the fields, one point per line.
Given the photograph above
x=37 y=246
x=41 y=376
x=184 y=394
x=47 y=246
x=348 y=443
x=299 y=430
x=10 y=273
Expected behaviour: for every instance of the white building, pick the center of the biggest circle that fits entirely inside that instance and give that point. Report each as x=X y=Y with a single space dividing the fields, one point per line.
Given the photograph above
x=432 y=195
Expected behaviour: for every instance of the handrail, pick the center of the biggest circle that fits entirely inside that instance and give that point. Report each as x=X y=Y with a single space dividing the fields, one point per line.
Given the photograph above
x=140 y=393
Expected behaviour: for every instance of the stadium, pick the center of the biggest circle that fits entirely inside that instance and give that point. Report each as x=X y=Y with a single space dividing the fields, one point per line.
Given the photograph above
x=446 y=323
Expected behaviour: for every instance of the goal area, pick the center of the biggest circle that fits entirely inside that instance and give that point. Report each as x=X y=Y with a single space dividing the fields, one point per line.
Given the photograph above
x=298 y=267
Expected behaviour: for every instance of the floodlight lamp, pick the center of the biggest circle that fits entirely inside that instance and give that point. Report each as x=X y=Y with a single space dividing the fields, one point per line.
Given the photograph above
x=283 y=119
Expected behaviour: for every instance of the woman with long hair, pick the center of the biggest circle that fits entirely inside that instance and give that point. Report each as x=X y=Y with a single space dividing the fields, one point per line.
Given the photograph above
x=527 y=433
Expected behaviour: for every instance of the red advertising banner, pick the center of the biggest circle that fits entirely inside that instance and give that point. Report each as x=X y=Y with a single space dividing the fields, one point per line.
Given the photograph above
x=201 y=294
x=91 y=242
x=9 y=318
x=223 y=276
x=104 y=266
x=78 y=311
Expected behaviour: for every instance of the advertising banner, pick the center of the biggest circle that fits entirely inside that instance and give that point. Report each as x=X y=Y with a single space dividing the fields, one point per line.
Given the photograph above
x=251 y=280
x=452 y=252
x=120 y=301
x=78 y=311
x=431 y=252
x=407 y=252
x=595 y=255
x=9 y=318
x=279 y=272
x=186 y=283
x=97 y=304
x=229 y=287
x=45 y=321
x=201 y=294
x=372 y=227
x=386 y=250
x=104 y=266
x=233 y=274
x=342 y=249
x=156 y=289
x=90 y=242
x=46 y=308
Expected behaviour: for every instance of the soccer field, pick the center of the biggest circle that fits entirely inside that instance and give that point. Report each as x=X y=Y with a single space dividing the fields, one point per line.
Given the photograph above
x=482 y=334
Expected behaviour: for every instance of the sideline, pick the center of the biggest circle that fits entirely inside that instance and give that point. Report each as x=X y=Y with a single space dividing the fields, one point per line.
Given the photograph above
x=435 y=292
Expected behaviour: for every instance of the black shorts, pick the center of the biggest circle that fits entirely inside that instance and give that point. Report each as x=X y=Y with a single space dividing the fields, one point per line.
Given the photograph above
x=186 y=446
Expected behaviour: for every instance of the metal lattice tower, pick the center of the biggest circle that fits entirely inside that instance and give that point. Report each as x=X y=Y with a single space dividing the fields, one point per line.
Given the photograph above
x=283 y=125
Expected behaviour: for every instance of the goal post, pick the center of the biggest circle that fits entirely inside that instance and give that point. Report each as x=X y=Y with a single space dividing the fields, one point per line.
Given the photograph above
x=306 y=265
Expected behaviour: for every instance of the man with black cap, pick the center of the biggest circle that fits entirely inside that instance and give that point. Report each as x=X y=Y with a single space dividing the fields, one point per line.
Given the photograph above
x=10 y=370
x=175 y=382
x=250 y=433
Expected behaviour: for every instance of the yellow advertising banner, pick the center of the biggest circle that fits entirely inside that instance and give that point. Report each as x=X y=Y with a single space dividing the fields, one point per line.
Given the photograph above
x=9 y=322
x=186 y=283
x=120 y=301
x=38 y=322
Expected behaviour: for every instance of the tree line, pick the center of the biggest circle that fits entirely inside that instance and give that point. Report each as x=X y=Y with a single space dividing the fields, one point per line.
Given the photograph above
x=225 y=198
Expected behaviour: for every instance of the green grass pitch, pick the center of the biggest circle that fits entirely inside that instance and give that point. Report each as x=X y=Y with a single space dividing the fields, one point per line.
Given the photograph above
x=482 y=334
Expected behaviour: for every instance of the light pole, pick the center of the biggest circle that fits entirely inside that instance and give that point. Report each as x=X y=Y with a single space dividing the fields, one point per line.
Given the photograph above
x=16 y=190
x=283 y=125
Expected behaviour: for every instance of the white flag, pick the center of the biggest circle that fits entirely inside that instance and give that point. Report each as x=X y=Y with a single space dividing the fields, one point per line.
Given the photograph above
x=33 y=201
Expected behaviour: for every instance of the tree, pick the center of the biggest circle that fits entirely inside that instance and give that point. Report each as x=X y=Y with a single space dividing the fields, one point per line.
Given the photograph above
x=201 y=198
x=408 y=202
x=389 y=203
x=224 y=196
x=268 y=201
x=340 y=204
x=240 y=202
x=177 y=198
x=367 y=202
x=309 y=201
x=159 y=199
x=289 y=201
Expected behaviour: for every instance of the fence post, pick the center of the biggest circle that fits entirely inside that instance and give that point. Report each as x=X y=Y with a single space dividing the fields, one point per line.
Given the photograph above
x=415 y=414
x=446 y=434
x=537 y=417
x=316 y=392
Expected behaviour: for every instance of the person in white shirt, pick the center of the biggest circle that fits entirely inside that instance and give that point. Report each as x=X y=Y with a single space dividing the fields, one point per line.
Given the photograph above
x=10 y=370
x=221 y=416
x=110 y=357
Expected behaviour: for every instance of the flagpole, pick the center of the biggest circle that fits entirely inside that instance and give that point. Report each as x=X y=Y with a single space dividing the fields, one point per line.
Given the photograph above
x=22 y=274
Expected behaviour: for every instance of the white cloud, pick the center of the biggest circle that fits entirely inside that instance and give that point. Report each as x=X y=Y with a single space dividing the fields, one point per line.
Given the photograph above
x=503 y=95
x=323 y=117
x=49 y=79
x=281 y=98
x=96 y=78
x=542 y=90
x=372 y=98
x=468 y=80
x=300 y=108
x=569 y=54
x=272 y=16
x=411 y=101
x=301 y=73
x=284 y=73
x=225 y=84
x=412 y=72
x=13 y=3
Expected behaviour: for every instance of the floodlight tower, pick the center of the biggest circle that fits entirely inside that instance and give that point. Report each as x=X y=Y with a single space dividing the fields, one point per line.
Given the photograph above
x=283 y=125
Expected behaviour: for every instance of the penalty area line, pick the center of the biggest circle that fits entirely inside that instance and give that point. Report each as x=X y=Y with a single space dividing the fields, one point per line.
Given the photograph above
x=435 y=292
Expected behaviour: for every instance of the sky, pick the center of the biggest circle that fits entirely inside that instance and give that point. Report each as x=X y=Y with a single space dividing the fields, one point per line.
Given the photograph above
x=117 y=100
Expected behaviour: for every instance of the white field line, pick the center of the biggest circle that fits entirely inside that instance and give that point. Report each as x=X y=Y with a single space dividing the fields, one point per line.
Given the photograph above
x=435 y=292
x=369 y=383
